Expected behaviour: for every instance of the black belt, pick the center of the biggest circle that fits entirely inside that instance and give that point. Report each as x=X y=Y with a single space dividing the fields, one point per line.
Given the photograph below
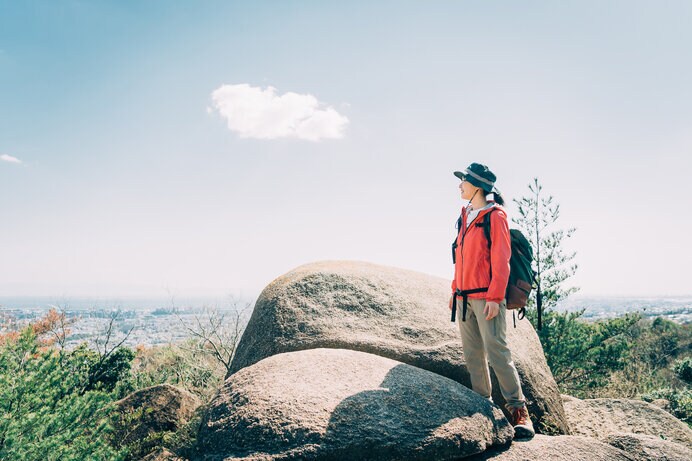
x=465 y=295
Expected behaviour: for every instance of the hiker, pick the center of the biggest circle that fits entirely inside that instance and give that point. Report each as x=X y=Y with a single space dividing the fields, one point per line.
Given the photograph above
x=480 y=281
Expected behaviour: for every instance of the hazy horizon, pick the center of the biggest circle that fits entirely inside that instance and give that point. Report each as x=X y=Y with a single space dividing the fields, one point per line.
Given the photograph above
x=251 y=296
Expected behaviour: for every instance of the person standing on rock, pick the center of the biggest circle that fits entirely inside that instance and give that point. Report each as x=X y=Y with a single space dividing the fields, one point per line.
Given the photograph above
x=480 y=280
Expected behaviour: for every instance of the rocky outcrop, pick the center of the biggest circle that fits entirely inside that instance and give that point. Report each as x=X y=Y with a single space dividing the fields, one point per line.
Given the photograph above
x=155 y=409
x=560 y=448
x=392 y=313
x=649 y=448
x=344 y=404
x=601 y=418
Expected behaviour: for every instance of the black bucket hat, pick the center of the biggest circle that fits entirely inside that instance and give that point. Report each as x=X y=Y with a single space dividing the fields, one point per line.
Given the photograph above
x=479 y=175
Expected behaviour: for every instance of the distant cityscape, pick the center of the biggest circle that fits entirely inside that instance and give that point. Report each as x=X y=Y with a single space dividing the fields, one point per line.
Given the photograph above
x=675 y=308
x=147 y=322
x=152 y=322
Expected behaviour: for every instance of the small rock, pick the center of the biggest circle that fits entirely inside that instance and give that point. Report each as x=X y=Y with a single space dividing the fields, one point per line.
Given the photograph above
x=649 y=448
x=560 y=448
x=162 y=454
x=600 y=418
x=154 y=409
x=663 y=404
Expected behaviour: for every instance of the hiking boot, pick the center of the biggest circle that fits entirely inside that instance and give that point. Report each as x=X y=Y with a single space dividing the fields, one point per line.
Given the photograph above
x=520 y=419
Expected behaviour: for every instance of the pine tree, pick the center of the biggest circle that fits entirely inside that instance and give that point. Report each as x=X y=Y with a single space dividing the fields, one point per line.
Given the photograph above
x=553 y=265
x=43 y=413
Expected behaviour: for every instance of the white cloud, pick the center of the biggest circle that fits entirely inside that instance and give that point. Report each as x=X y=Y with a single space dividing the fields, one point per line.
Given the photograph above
x=9 y=158
x=256 y=113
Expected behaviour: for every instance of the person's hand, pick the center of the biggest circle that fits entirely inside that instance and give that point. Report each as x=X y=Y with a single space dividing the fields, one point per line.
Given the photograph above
x=491 y=310
x=451 y=299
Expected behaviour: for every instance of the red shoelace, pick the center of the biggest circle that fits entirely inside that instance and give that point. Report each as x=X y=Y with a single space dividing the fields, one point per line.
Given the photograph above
x=519 y=416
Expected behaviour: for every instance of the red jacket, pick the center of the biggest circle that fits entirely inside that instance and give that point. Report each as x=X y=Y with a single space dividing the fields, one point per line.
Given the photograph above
x=473 y=260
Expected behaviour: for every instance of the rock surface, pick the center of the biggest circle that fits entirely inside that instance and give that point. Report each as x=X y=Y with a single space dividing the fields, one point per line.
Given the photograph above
x=154 y=409
x=600 y=418
x=394 y=313
x=343 y=404
x=560 y=448
x=649 y=448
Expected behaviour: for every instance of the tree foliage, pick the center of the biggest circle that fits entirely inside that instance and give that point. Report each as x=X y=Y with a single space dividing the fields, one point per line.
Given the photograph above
x=583 y=355
x=43 y=412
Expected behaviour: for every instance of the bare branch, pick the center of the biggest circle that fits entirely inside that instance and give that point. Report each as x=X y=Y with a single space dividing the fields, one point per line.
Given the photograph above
x=218 y=331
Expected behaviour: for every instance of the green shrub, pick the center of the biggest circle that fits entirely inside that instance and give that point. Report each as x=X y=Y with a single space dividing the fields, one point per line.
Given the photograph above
x=683 y=370
x=680 y=402
x=583 y=355
x=184 y=365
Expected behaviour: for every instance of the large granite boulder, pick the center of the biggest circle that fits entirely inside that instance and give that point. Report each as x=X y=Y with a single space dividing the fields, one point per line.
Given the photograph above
x=649 y=447
x=601 y=418
x=560 y=448
x=394 y=313
x=333 y=404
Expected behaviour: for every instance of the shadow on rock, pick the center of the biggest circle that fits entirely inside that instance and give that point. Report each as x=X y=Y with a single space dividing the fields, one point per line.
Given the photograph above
x=405 y=419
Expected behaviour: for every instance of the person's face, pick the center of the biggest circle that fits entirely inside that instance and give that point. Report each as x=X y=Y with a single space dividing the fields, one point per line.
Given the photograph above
x=467 y=189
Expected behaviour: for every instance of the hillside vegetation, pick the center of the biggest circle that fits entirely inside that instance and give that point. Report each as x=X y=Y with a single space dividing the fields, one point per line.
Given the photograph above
x=58 y=404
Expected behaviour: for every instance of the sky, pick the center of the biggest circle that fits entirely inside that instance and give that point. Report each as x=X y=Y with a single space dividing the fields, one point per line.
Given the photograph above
x=206 y=148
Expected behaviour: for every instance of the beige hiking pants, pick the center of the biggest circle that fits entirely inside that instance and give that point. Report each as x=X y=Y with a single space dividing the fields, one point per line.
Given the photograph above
x=485 y=341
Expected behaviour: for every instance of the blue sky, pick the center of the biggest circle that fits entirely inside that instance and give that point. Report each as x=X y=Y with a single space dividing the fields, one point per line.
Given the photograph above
x=120 y=176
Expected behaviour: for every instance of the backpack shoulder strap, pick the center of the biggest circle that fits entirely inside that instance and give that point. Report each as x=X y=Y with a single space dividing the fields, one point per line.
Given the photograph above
x=454 y=243
x=486 y=226
x=486 y=229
